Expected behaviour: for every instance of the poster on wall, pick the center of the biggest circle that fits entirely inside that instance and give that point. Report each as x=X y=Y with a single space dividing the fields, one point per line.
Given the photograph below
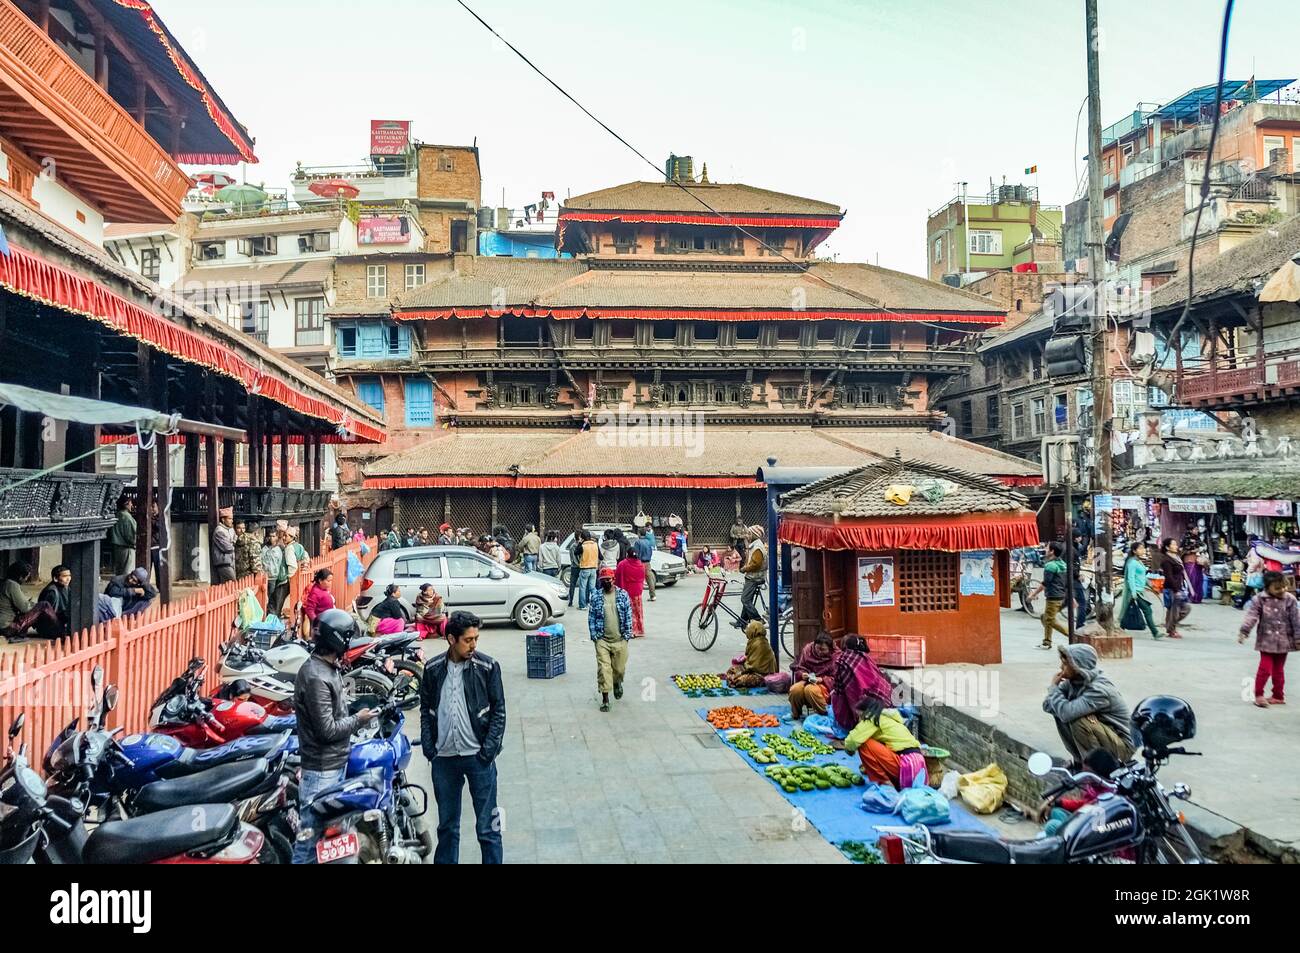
x=383 y=230
x=977 y=573
x=389 y=137
x=875 y=581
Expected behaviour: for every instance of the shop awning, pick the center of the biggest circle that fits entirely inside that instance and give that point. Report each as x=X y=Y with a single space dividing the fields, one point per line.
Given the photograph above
x=1010 y=530
x=558 y=482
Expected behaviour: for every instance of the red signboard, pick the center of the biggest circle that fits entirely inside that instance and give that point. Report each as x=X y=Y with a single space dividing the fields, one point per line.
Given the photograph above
x=389 y=137
x=1273 y=508
x=383 y=230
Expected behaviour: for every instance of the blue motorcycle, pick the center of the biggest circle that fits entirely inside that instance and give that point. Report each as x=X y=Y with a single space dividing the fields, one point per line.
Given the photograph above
x=375 y=814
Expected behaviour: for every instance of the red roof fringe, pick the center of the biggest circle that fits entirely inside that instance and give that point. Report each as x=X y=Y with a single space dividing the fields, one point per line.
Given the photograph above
x=690 y=218
x=187 y=73
x=25 y=273
x=988 y=319
x=208 y=158
x=949 y=533
x=557 y=482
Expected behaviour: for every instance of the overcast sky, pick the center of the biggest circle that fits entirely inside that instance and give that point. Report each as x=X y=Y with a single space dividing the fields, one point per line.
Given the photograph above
x=880 y=106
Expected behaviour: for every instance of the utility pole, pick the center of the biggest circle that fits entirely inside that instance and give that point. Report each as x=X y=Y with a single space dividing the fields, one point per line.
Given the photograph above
x=1101 y=423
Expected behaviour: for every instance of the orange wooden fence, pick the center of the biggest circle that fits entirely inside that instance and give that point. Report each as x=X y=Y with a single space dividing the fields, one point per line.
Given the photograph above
x=50 y=681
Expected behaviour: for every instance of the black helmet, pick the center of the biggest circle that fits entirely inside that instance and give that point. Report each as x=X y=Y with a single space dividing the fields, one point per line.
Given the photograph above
x=334 y=631
x=1161 y=721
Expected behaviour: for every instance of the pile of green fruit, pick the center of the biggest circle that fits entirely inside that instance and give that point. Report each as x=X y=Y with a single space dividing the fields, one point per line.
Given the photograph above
x=807 y=777
x=743 y=740
x=703 y=685
x=860 y=853
x=809 y=741
x=784 y=746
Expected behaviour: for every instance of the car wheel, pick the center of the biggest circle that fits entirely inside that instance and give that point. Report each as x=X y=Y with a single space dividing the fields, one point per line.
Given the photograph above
x=566 y=575
x=531 y=613
x=665 y=583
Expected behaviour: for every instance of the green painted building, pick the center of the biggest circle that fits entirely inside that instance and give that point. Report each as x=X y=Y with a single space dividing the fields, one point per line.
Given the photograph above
x=994 y=232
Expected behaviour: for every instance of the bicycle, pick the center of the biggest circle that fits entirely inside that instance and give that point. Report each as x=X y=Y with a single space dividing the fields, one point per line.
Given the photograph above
x=702 y=624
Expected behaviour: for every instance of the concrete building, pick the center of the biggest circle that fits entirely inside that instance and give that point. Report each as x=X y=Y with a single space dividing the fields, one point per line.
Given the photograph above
x=1008 y=228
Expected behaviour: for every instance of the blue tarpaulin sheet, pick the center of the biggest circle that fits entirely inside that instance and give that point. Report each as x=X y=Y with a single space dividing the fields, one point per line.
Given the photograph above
x=837 y=813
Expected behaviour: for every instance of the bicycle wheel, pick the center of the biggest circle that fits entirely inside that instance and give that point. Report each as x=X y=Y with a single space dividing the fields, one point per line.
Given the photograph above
x=787 y=632
x=702 y=628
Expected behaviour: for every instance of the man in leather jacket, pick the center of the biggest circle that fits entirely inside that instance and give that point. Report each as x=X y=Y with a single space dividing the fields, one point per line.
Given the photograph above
x=324 y=726
x=462 y=726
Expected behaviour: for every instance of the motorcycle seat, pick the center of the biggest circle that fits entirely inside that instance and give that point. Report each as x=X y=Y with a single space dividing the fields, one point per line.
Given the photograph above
x=152 y=837
x=977 y=847
x=274 y=724
x=193 y=760
x=226 y=782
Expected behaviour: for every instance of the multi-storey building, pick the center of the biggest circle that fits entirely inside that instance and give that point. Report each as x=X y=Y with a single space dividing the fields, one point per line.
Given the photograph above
x=538 y=385
x=1007 y=229
x=99 y=102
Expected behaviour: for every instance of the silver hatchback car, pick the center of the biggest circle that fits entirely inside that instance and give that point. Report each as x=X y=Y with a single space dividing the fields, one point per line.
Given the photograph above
x=466 y=580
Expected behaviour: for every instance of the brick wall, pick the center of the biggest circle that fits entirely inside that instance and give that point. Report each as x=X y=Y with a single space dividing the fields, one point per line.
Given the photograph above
x=1156 y=205
x=463 y=180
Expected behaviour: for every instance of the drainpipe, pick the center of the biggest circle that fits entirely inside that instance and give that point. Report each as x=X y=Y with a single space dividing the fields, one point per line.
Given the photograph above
x=965 y=229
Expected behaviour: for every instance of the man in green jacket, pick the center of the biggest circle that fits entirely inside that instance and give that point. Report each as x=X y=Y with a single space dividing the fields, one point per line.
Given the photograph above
x=1054 y=583
x=121 y=537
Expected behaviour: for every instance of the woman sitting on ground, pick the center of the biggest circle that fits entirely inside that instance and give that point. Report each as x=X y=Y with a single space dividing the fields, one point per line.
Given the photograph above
x=391 y=614
x=812 y=674
x=429 y=617
x=889 y=752
x=759 y=660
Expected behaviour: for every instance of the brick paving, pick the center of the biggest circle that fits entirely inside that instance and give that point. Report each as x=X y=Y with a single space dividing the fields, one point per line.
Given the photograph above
x=649 y=782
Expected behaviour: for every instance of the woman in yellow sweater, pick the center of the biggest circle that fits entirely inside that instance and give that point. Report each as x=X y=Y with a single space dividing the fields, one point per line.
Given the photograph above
x=889 y=753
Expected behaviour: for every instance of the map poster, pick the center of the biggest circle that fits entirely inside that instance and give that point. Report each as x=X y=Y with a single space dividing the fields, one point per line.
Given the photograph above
x=875 y=581
x=977 y=573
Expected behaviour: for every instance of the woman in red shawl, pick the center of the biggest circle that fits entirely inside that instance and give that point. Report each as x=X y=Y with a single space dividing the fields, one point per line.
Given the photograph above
x=859 y=684
x=812 y=673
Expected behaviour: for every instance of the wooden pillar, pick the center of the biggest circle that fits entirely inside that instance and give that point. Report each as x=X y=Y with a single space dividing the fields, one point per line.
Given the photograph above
x=164 y=580
x=284 y=448
x=541 y=513
x=492 y=526
x=316 y=464
x=254 y=444
x=101 y=57
x=446 y=505
x=190 y=469
x=213 y=482
x=228 y=449
x=688 y=519
x=83 y=560
x=143 y=466
x=141 y=99
x=43 y=15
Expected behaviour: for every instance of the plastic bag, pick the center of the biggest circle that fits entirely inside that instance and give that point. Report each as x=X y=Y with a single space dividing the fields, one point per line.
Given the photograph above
x=365 y=549
x=921 y=804
x=900 y=493
x=822 y=725
x=778 y=682
x=948 y=786
x=355 y=569
x=879 y=799
x=250 y=610
x=983 y=790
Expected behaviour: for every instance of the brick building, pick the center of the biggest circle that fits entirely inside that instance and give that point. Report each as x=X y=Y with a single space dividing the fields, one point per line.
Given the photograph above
x=529 y=382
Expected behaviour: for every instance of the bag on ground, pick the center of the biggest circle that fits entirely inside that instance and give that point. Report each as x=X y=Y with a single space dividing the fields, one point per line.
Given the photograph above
x=778 y=682
x=983 y=790
x=879 y=799
x=923 y=805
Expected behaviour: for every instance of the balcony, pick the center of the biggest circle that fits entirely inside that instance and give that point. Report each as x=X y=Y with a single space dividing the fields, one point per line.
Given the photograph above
x=1277 y=378
x=54 y=111
x=60 y=507
x=256 y=504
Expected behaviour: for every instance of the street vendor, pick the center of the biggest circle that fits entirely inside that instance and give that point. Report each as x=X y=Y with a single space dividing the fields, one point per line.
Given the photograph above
x=812 y=674
x=857 y=678
x=759 y=660
x=889 y=752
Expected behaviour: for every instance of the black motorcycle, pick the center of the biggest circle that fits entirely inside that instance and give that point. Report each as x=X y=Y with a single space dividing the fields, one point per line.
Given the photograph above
x=1131 y=821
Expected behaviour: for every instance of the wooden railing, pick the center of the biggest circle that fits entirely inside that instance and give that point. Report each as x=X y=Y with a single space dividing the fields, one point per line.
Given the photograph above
x=87 y=108
x=1277 y=371
x=50 y=681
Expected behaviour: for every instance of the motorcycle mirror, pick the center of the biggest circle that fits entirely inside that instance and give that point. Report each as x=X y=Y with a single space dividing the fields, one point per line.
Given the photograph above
x=17 y=726
x=110 y=698
x=1040 y=764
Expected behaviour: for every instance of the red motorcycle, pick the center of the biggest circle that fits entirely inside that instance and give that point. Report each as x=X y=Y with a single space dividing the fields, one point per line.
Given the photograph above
x=198 y=722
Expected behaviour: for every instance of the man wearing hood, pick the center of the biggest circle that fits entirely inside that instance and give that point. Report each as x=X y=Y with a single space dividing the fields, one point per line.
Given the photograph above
x=1090 y=713
x=1054 y=583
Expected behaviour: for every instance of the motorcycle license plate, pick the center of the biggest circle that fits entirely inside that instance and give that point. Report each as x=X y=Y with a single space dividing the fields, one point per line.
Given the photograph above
x=329 y=849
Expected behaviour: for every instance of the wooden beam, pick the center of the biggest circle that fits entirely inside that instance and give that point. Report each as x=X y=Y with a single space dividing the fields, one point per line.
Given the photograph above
x=164 y=475
x=143 y=468
x=213 y=480
x=284 y=448
x=102 y=28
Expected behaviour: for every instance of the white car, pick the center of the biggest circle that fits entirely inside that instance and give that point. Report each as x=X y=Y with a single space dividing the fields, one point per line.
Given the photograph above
x=667 y=567
x=466 y=580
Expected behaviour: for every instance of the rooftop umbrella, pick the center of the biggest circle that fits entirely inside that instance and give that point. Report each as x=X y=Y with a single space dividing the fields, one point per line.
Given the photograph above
x=1284 y=285
x=242 y=196
x=334 y=188
x=213 y=180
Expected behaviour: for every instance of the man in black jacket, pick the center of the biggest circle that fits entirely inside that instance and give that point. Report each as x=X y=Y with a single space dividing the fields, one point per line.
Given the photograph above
x=324 y=726
x=462 y=725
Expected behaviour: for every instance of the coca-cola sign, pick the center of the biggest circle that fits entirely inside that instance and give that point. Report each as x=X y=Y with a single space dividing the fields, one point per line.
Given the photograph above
x=389 y=137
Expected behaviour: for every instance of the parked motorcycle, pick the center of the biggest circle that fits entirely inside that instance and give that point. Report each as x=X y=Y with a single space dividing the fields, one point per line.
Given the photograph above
x=1132 y=821
x=199 y=722
x=376 y=815
x=37 y=823
x=270 y=673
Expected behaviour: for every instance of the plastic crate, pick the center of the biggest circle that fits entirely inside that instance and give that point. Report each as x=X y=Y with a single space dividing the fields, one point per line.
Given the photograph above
x=545 y=667
x=262 y=634
x=897 y=651
x=544 y=645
